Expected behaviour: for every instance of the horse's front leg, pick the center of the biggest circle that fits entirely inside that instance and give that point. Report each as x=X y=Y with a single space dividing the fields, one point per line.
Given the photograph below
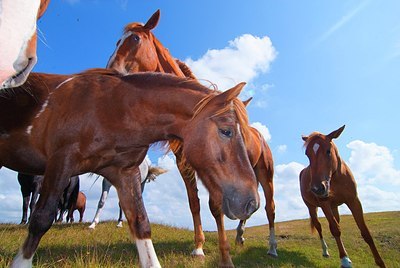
x=357 y=211
x=224 y=247
x=127 y=183
x=335 y=231
x=55 y=180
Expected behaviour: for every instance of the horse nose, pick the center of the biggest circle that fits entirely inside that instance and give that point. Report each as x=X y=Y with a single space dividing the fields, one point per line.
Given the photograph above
x=319 y=189
x=252 y=206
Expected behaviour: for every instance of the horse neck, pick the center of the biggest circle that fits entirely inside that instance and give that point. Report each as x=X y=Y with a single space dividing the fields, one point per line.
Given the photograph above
x=167 y=116
x=166 y=63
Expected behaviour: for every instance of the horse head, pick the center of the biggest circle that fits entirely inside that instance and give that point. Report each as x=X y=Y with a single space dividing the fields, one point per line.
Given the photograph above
x=18 y=39
x=139 y=50
x=323 y=156
x=214 y=145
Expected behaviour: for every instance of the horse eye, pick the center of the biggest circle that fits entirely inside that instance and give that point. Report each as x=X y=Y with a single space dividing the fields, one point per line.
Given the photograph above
x=226 y=132
x=136 y=37
x=328 y=152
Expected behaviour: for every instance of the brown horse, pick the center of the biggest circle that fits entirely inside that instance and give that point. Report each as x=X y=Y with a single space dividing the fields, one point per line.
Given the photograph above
x=327 y=183
x=80 y=205
x=107 y=126
x=140 y=50
x=18 y=39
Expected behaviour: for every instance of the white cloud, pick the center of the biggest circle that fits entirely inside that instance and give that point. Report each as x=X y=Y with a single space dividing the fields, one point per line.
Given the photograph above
x=263 y=130
x=282 y=148
x=243 y=60
x=373 y=164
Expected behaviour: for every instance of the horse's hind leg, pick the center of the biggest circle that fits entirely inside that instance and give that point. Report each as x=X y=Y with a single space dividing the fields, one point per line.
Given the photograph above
x=239 y=232
x=265 y=173
x=119 y=224
x=106 y=185
x=357 y=211
x=130 y=196
x=25 y=205
x=317 y=225
x=42 y=218
x=35 y=195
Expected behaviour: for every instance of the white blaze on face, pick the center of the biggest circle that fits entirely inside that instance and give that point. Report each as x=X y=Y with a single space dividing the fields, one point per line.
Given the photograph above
x=121 y=65
x=17 y=25
x=315 y=148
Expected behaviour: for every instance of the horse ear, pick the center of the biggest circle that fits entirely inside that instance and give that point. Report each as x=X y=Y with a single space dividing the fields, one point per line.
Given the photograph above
x=232 y=93
x=153 y=21
x=336 y=133
x=246 y=102
x=305 y=138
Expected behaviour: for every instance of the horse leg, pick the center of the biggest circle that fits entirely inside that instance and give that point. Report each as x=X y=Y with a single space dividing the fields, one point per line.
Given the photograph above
x=357 y=211
x=335 y=231
x=239 y=232
x=25 y=204
x=81 y=212
x=119 y=224
x=224 y=247
x=106 y=185
x=264 y=173
x=55 y=180
x=312 y=210
x=34 y=198
x=128 y=188
x=194 y=204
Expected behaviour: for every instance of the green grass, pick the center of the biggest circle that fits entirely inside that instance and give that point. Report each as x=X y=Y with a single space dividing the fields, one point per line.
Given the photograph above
x=74 y=245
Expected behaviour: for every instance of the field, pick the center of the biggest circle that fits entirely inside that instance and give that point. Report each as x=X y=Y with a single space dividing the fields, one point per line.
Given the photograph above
x=74 y=245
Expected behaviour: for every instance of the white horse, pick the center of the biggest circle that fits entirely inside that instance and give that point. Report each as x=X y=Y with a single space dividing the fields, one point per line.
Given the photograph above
x=18 y=39
x=147 y=173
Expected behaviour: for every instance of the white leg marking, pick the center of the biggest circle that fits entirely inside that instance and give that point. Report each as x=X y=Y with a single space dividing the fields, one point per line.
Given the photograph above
x=198 y=252
x=66 y=81
x=315 y=148
x=272 y=243
x=324 y=246
x=346 y=262
x=119 y=225
x=147 y=254
x=20 y=262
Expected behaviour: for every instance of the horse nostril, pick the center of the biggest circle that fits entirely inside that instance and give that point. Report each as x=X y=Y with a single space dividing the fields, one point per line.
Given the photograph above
x=251 y=207
x=318 y=190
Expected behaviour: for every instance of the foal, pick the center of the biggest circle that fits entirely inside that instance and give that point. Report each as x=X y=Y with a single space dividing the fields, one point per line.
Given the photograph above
x=327 y=183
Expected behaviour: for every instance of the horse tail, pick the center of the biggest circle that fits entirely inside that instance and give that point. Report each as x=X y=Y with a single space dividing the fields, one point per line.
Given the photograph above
x=153 y=173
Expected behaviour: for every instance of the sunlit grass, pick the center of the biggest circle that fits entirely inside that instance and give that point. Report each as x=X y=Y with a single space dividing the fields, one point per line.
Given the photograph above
x=74 y=245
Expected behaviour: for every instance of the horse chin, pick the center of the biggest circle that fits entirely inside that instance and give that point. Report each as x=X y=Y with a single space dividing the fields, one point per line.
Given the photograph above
x=19 y=78
x=227 y=210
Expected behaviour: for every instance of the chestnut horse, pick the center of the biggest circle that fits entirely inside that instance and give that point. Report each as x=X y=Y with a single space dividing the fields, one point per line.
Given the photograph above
x=18 y=39
x=78 y=204
x=107 y=126
x=327 y=183
x=139 y=50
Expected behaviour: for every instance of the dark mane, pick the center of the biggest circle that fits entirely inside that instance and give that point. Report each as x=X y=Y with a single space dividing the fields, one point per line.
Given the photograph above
x=100 y=71
x=163 y=79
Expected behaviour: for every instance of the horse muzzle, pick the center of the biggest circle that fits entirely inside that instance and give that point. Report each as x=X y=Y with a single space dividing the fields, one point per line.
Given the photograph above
x=236 y=206
x=321 y=190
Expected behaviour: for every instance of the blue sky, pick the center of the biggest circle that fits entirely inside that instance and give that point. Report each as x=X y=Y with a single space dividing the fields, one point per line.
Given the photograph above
x=310 y=66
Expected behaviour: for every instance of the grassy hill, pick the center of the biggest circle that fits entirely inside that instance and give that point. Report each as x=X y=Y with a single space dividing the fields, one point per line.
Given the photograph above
x=74 y=245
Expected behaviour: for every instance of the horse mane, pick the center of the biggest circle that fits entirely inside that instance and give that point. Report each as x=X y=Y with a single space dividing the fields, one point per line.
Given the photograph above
x=100 y=71
x=185 y=69
x=134 y=26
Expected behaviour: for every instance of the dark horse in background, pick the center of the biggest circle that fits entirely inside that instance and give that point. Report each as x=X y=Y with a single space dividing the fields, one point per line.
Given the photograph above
x=328 y=183
x=30 y=189
x=107 y=126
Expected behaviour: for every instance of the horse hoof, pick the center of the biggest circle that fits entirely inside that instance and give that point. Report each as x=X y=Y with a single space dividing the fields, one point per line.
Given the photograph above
x=272 y=254
x=198 y=254
x=326 y=255
x=239 y=241
x=92 y=226
x=345 y=262
x=229 y=264
x=119 y=225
